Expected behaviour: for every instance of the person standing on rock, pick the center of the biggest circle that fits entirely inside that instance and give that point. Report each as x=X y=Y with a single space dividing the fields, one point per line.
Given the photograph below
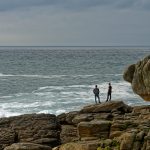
x=109 y=92
x=96 y=93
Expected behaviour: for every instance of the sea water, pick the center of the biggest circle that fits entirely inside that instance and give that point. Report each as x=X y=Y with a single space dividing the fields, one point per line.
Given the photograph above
x=61 y=79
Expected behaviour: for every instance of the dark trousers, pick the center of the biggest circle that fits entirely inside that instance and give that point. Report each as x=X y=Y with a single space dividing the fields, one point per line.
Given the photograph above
x=97 y=96
x=108 y=96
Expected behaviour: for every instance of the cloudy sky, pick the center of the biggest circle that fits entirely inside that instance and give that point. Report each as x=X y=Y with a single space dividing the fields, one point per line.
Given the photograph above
x=74 y=22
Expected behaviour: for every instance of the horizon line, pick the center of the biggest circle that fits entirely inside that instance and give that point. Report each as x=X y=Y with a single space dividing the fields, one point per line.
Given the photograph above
x=78 y=46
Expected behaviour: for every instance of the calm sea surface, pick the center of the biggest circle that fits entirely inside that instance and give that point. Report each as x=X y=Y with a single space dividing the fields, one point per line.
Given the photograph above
x=61 y=79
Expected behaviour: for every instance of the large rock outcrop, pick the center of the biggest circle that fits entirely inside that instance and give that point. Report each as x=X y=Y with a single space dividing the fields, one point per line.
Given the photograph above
x=139 y=76
x=106 y=126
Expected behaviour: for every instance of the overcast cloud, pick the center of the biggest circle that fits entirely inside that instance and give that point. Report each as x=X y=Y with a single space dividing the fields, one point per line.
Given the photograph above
x=74 y=22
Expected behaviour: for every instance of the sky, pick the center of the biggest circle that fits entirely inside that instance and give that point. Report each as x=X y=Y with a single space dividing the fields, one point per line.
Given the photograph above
x=74 y=22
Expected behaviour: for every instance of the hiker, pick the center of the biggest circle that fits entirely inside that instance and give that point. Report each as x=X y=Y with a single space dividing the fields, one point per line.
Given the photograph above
x=109 y=92
x=96 y=93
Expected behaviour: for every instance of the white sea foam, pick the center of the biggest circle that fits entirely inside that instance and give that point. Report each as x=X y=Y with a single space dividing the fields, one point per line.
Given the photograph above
x=42 y=76
x=44 y=112
x=63 y=87
x=43 y=88
x=32 y=76
x=59 y=99
x=83 y=76
x=50 y=88
x=20 y=94
x=120 y=89
x=44 y=94
x=114 y=74
x=16 y=105
x=8 y=96
x=60 y=111
x=5 y=113
x=79 y=86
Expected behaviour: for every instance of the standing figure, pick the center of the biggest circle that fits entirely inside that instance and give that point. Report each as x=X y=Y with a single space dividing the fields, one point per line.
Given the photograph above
x=109 y=92
x=96 y=93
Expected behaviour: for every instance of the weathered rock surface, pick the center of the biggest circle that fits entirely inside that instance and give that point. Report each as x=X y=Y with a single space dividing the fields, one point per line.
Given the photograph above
x=33 y=128
x=107 y=107
x=80 y=145
x=27 y=146
x=139 y=76
x=112 y=126
x=94 y=128
x=68 y=133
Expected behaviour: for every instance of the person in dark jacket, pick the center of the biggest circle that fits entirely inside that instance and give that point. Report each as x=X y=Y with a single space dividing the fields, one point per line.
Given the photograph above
x=109 y=92
x=96 y=93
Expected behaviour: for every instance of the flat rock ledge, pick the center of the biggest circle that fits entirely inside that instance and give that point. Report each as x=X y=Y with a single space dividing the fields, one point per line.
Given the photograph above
x=106 y=126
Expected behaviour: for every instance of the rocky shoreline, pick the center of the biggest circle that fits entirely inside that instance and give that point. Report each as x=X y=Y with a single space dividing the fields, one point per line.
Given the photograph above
x=106 y=126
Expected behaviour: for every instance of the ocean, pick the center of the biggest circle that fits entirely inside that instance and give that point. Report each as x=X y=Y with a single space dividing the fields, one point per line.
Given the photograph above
x=61 y=79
